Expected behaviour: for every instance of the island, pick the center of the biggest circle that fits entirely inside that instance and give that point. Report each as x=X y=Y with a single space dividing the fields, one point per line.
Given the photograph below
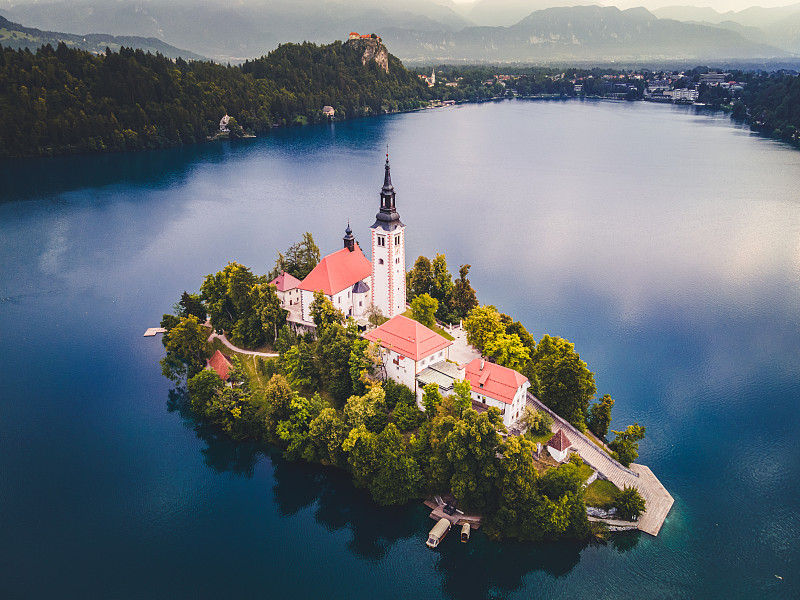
x=438 y=399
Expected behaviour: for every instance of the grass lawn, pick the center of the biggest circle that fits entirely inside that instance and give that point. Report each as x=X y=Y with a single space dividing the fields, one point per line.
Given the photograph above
x=542 y=438
x=436 y=327
x=601 y=494
x=585 y=471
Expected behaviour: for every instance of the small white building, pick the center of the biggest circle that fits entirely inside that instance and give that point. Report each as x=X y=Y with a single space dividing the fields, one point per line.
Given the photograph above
x=559 y=446
x=328 y=111
x=501 y=387
x=408 y=348
x=223 y=124
x=345 y=277
x=287 y=290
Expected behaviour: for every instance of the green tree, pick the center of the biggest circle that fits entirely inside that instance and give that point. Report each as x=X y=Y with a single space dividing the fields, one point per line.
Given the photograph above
x=300 y=367
x=268 y=308
x=300 y=258
x=362 y=410
x=629 y=503
x=203 y=388
x=463 y=298
x=431 y=399
x=566 y=385
x=278 y=397
x=294 y=431
x=327 y=433
x=192 y=304
x=599 y=417
x=483 y=325
x=626 y=443
x=466 y=457
x=407 y=416
x=361 y=447
x=423 y=310
x=537 y=421
x=420 y=278
x=442 y=288
x=187 y=350
x=507 y=350
x=324 y=313
x=332 y=358
x=397 y=393
x=462 y=395
x=375 y=316
x=397 y=478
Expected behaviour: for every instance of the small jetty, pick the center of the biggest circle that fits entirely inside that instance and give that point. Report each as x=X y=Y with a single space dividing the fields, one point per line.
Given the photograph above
x=457 y=518
x=151 y=331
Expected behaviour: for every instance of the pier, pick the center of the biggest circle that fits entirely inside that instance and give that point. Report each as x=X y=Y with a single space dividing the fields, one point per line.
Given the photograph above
x=658 y=500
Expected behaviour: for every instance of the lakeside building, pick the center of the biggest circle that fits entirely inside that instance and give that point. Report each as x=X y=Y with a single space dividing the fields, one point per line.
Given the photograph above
x=501 y=387
x=350 y=280
x=408 y=347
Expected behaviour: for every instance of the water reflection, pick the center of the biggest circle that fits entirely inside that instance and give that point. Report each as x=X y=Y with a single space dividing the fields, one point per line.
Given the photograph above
x=479 y=569
x=221 y=454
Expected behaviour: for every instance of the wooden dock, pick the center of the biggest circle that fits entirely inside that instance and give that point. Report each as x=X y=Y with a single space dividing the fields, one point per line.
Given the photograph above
x=151 y=331
x=456 y=518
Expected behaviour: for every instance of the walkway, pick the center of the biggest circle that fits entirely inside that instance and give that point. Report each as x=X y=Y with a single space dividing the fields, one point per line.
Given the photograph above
x=151 y=331
x=224 y=340
x=658 y=500
x=461 y=352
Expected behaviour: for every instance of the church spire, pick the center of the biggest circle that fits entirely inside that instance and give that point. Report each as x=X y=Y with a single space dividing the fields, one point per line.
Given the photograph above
x=349 y=240
x=387 y=218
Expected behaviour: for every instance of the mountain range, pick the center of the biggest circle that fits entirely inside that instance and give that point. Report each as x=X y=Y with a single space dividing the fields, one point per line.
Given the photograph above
x=14 y=35
x=433 y=30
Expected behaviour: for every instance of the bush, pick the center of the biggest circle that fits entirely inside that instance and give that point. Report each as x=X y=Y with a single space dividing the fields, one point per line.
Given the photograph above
x=538 y=422
x=629 y=503
x=397 y=393
x=407 y=416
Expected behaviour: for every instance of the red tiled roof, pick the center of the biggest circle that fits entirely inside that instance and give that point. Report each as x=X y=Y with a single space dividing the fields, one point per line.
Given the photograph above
x=559 y=441
x=285 y=282
x=500 y=383
x=220 y=363
x=407 y=337
x=337 y=272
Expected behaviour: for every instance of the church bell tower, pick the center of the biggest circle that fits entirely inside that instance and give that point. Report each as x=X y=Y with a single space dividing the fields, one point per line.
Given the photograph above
x=388 y=253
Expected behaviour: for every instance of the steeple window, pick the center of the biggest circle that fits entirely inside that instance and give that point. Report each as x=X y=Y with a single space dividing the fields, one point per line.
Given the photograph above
x=381 y=240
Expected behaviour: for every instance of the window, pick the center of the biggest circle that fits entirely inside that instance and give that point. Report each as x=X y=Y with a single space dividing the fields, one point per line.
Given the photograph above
x=348 y=293
x=381 y=240
x=397 y=240
x=340 y=300
x=360 y=303
x=380 y=261
x=397 y=261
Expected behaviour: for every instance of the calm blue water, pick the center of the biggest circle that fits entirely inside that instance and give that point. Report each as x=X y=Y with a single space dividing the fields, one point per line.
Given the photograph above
x=664 y=243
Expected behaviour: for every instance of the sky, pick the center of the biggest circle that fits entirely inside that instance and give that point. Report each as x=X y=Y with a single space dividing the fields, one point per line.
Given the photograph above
x=718 y=5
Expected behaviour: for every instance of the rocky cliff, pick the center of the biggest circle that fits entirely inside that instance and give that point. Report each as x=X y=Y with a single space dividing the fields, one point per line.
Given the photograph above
x=371 y=49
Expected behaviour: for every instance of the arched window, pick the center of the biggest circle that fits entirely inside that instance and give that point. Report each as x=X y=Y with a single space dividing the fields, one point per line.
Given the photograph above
x=380 y=261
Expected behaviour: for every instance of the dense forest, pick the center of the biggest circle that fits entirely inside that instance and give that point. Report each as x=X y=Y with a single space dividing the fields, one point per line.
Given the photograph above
x=59 y=101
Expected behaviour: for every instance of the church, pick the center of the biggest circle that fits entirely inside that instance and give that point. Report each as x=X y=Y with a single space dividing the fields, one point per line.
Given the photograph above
x=349 y=279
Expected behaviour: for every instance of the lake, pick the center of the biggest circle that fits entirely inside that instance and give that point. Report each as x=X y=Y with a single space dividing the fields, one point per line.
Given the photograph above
x=663 y=242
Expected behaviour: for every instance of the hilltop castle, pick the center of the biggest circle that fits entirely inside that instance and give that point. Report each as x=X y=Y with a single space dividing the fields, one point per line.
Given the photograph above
x=350 y=280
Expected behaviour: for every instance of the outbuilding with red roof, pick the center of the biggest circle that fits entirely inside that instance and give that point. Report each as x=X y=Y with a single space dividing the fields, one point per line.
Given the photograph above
x=559 y=446
x=220 y=364
x=501 y=387
x=409 y=347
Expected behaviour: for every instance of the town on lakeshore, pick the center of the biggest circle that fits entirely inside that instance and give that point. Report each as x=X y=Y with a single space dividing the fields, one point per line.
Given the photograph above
x=436 y=399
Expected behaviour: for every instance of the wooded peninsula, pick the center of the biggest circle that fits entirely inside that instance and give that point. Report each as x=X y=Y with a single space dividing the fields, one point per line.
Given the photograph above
x=64 y=101
x=322 y=399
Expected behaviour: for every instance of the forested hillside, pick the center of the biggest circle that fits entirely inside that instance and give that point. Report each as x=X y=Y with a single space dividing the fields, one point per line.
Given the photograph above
x=60 y=101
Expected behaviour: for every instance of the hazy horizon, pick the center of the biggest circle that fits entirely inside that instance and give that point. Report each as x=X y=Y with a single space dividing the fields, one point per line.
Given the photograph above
x=718 y=5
